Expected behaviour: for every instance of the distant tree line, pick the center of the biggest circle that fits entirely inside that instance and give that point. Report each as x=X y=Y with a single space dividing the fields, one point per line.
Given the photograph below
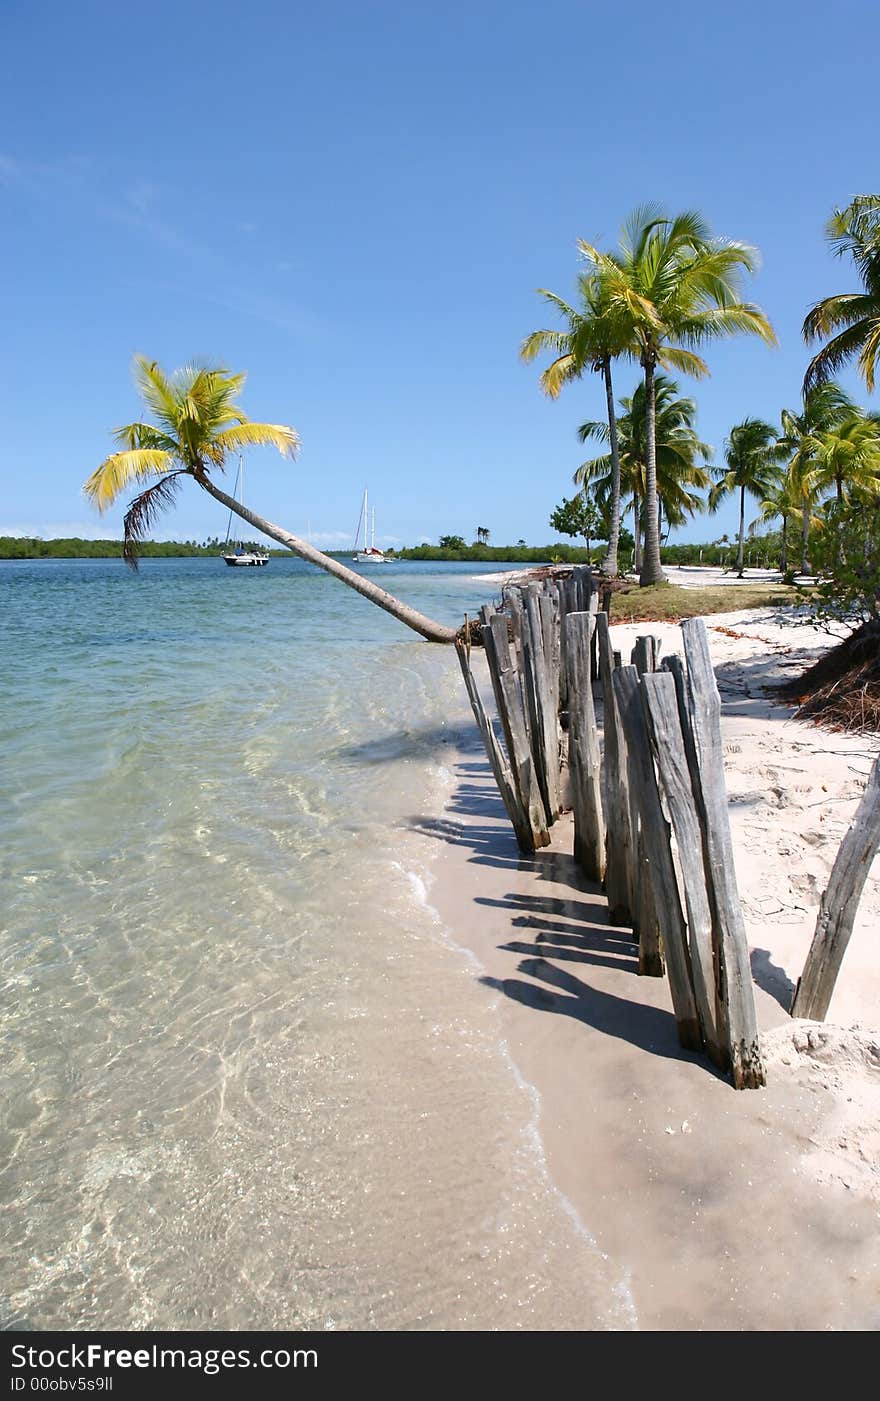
x=72 y=547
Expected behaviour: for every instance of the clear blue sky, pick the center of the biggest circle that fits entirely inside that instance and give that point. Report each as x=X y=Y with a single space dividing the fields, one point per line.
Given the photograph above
x=355 y=202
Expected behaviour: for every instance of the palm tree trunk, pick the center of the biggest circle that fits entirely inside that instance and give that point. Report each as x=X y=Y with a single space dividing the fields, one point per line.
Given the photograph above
x=637 y=534
x=742 y=531
x=652 y=569
x=805 y=538
x=434 y=632
x=783 y=562
x=609 y=564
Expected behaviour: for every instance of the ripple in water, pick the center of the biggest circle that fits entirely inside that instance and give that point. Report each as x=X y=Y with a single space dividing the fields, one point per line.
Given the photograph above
x=250 y=1082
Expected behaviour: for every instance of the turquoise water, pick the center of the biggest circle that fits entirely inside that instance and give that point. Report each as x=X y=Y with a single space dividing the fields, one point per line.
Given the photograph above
x=248 y=1080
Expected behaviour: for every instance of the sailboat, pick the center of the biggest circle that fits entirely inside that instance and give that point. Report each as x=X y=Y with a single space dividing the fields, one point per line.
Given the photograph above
x=368 y=554
x=240 y=558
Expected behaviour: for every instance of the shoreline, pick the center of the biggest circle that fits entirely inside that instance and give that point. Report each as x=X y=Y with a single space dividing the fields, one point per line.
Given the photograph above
x=716 y=1205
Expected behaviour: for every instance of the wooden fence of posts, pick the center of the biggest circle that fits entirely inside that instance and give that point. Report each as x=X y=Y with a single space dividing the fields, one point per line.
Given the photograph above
x=650 y=812
x=650 y=805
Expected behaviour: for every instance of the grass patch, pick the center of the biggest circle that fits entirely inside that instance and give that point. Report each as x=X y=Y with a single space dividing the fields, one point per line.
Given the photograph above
x=668 y=603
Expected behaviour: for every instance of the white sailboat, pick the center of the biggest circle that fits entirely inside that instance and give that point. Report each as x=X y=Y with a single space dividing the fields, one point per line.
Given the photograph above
x=240 y=558
x=368 y=554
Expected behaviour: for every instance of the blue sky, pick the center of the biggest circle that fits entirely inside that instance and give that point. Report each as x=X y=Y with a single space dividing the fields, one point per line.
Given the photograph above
x=356 y=202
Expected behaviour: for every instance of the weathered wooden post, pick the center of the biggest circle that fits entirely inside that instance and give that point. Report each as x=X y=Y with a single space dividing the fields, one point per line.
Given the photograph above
x=583 y=748
x=544 y=717
x=660 y=700
x=735 y=994
x=644 y=655
x=510 y=711
x=497 y=759
x=657 y=872
x=618 y=832
x=837 y=910
x=625 y=681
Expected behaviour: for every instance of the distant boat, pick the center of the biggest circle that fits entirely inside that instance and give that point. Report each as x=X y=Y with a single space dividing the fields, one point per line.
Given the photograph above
x=368 y=554
x=240 y=558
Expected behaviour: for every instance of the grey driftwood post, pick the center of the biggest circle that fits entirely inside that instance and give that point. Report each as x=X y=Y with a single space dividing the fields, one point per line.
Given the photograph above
x=658 y=869
x=583 y=748
x=500 y=767
x=544 y=726
x=646 y=913
x=736 y=996
x=510 y=711
x=618 y=840
x=837 y=911
x=667 y=741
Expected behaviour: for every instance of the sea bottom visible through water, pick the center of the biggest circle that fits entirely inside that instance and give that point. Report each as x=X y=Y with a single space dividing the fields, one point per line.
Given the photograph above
x=250 y=1079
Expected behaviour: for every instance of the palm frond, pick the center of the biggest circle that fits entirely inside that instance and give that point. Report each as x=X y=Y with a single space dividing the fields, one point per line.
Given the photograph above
x=835 y=355
x=122 y=470
x=277 y=435
x=143 y=512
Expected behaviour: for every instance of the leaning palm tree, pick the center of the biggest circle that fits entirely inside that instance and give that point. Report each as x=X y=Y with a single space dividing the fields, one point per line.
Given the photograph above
x=198 y=425
x=678 y=287
x=850 y=319
x=751 y=456
x=594 y=336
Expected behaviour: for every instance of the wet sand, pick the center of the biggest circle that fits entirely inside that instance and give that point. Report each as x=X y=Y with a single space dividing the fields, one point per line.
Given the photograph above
x=753 y=1210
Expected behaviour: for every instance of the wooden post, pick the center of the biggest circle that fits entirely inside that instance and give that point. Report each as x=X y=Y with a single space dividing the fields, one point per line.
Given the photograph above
x=667 y=742
x=644 y=910
x=658 y=871
x=551 y=640
x=500 y=767
x=583 y=748
x=593 y=609
x=510 y=711
x=644 y=655
x=544 y=713
x=618 y=832
x=734 y=973
x=837 y=911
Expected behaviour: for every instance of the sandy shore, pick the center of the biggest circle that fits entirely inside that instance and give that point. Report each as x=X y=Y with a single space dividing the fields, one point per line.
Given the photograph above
x=757 y=1210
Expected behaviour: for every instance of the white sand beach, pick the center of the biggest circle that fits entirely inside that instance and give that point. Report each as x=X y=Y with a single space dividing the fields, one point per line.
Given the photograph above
x=754 y=1210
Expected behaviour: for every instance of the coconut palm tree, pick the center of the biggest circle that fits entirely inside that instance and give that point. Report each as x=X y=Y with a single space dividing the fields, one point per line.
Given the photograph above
x=678 y=287
x=677 y=454
x=847 y=456
x=198 y=425
x=825 y=407
x=781 y=502
x=594 y=336
x=751 y=455
x=850 y=319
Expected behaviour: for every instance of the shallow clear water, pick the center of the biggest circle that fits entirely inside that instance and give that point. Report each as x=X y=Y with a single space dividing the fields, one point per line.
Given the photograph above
x=249 y=1082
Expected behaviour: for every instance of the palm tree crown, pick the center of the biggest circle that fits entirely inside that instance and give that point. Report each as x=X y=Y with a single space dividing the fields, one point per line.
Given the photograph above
x=751 y=455
x=850 y=319
x=594 y=336
x=680 y=477
x=198 y=424
x=680 y=288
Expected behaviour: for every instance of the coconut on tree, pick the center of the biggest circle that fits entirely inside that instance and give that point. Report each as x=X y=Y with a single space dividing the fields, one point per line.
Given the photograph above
x=751 y=457
x=595 y=335
x=678 y=288
x=198 y=426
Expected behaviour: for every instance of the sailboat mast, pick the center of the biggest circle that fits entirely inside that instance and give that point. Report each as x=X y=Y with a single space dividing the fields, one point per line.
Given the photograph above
x=373 y=531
